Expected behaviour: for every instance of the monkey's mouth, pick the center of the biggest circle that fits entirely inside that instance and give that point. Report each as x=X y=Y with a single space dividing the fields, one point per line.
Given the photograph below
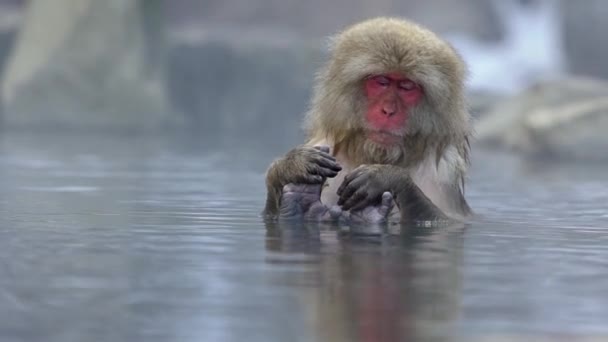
x=384 y=137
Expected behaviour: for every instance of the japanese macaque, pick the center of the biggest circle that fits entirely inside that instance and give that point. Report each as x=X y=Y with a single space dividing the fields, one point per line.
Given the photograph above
x=388 y=132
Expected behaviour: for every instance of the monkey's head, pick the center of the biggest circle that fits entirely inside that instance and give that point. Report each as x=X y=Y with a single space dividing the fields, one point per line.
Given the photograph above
x=390 y=90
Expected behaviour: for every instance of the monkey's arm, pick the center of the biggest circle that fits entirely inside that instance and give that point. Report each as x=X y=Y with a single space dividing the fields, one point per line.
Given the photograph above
x=365 y=185
x=302 y=165
x=414 y=205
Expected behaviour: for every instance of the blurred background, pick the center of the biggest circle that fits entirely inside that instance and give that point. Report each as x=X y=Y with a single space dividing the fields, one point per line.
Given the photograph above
x=226 y=67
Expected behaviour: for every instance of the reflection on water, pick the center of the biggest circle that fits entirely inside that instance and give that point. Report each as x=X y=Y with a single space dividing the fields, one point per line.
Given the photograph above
x=118 y=238
x=396 y=287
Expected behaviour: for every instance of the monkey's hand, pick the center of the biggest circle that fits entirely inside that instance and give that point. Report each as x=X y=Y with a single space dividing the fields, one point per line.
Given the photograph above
x=303 y=165
x=303 y=201
x=306 y=165
x=373 y=214
x=364 y=186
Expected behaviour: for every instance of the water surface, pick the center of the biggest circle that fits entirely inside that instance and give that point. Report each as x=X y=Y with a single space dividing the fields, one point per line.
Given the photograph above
x=118 y=237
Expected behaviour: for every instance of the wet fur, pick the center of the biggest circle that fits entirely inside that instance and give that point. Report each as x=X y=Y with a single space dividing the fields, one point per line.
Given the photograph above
x=435 y=148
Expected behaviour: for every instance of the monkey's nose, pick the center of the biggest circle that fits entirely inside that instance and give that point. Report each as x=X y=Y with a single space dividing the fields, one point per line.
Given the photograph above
x=388 y=110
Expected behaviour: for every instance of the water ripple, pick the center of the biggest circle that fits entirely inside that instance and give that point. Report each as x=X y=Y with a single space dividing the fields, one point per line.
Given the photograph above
x=157 y=246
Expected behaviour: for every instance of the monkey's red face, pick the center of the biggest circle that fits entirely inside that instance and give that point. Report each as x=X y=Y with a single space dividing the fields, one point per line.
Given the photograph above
x=390 y=98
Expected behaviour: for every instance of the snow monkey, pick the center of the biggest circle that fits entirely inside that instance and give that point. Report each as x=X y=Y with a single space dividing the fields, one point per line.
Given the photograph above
x=388 y=132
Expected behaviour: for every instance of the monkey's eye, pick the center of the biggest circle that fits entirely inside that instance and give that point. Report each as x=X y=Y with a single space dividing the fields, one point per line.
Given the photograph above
x=382 y=80
x=407 y=85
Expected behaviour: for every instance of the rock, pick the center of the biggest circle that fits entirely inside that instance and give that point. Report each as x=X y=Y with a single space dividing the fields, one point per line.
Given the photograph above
x=82 y=63
x=480 y=102
x=565 y=119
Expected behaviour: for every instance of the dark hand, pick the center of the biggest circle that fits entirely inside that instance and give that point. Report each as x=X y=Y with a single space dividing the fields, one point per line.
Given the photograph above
x=303 y=201
x=364 y=186
x=373 y=214
x=310 y=165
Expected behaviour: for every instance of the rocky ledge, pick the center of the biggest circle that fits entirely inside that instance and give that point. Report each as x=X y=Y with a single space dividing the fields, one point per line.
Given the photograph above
x=564 y=119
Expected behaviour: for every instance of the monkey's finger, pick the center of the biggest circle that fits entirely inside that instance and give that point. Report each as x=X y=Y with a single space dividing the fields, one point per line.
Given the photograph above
x=289 y=188
x=319 y=150
x=364 y=203
x=342 y=186
x=322 y=148
x=317 y=211
x=290 y=206
x=351 y=177
x=328 y=164
x=356 y=198
x=321 y=171
x=315 y=179
x=312 y=153
x=387 y=204
x=310 y=178
x=355 y=173
x=325 y=155
x=347 y=179
x=314 y=189
x=335 y=212
x=318 y=156
x=347 y=191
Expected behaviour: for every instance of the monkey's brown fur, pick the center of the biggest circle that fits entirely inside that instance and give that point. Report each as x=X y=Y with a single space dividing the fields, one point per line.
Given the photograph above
x=438 y=127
